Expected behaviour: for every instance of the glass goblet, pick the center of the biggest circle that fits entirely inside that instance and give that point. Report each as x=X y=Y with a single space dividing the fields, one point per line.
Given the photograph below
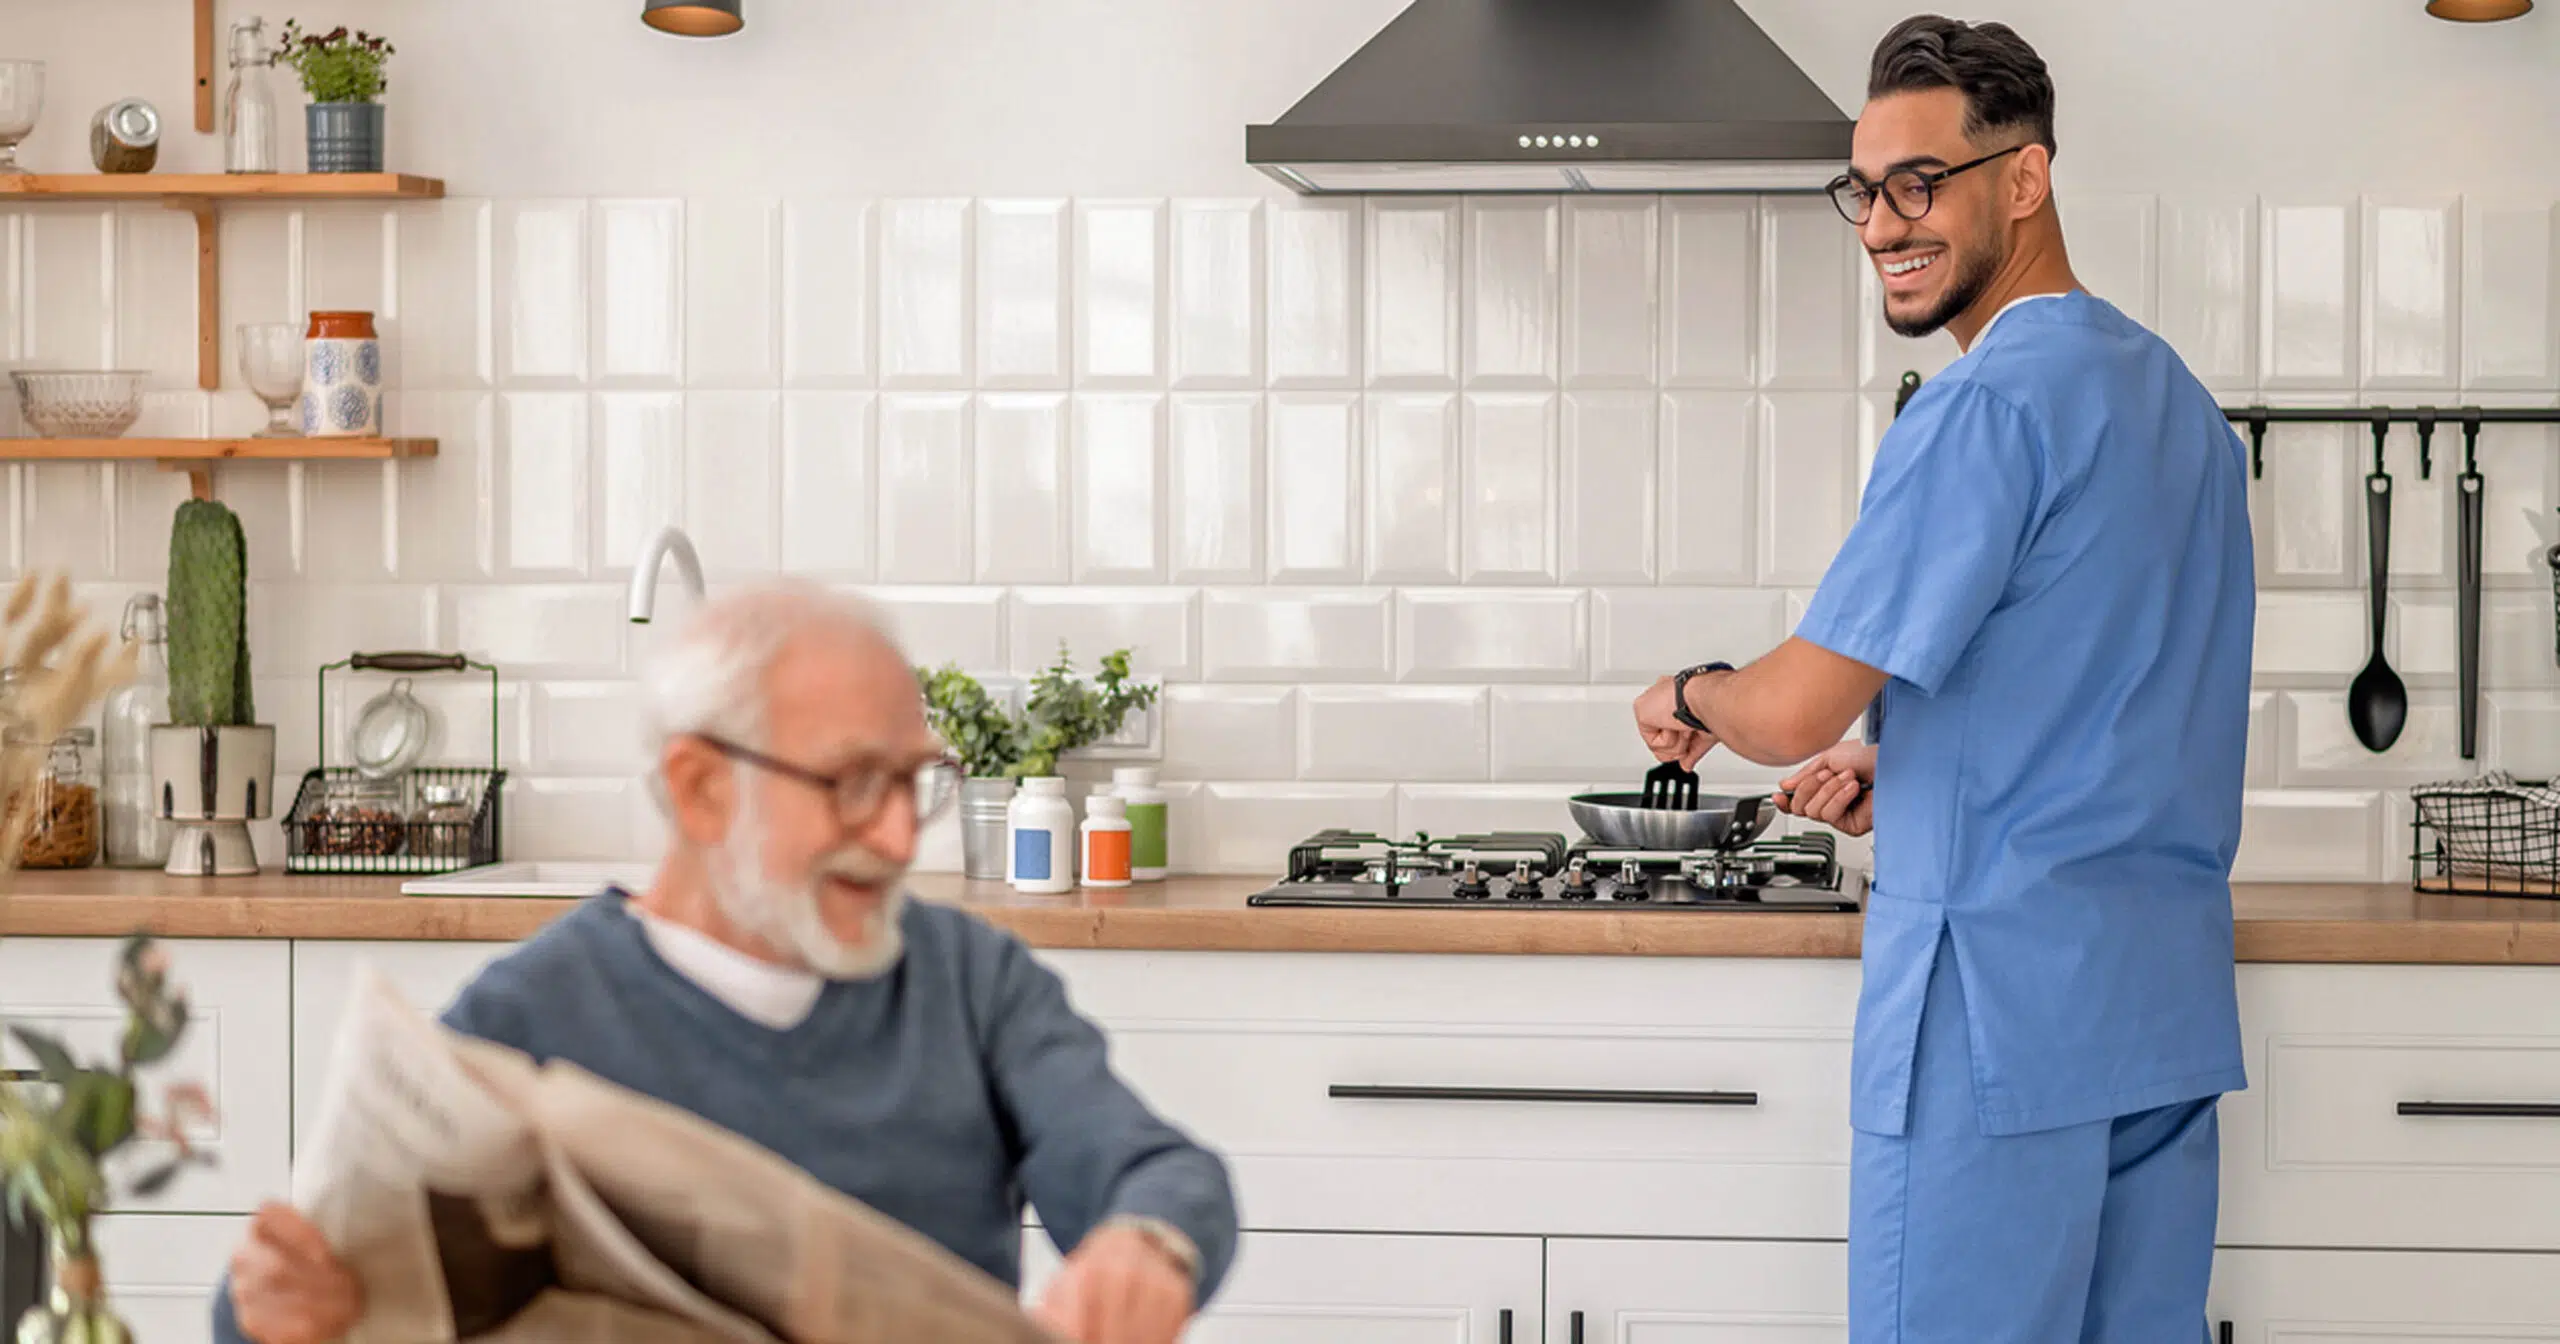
x=271 y=361
x=21 y=97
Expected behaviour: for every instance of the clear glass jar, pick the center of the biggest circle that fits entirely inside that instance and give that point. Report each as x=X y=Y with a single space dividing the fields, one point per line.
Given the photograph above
x=63 y=830
x=357 y=817
x=444 y=822
x=136 y=835
x=248 y=107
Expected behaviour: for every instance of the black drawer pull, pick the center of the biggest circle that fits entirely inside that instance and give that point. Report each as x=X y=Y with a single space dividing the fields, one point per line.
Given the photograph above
x=2226 y=1333
x=1604 y=1095
x=1505 y=1325
x=2484 y=1110
x=1577 y=1328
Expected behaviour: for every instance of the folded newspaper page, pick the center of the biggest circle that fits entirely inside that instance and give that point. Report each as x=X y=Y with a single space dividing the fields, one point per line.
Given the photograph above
x=479 y=1196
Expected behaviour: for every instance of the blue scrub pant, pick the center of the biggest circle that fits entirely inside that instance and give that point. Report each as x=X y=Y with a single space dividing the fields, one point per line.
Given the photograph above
x=2099 y=1233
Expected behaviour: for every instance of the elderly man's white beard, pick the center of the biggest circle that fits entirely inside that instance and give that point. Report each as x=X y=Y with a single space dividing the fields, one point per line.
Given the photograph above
x=785 y=913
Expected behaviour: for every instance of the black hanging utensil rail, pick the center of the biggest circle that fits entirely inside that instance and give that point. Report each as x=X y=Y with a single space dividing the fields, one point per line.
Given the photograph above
x=2255 y=419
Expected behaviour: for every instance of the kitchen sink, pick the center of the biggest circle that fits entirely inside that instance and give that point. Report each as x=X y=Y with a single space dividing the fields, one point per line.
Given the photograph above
x=532 y=878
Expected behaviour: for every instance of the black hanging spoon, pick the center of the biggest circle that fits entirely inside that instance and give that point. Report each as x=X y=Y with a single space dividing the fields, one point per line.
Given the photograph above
x=2377 y=702
x=2469 y=490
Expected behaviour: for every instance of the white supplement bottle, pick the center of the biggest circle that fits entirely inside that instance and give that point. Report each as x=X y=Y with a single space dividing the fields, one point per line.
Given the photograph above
x=1136 y=787
x=1106 y=842
x=1040 y=838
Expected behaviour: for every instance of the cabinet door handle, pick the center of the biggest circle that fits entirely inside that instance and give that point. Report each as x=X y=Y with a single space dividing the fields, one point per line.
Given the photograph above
x=1574 y=1325
x=2484 y=1110
x=1619 y=1096
x=2225 y=1336
x=1503 y=1325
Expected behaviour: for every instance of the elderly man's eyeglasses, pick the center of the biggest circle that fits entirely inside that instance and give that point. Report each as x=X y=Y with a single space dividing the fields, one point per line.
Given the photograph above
x=1907 y=192
x=864 y=788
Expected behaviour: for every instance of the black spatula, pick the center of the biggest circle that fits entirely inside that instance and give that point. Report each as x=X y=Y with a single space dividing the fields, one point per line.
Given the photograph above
x=1670 y=786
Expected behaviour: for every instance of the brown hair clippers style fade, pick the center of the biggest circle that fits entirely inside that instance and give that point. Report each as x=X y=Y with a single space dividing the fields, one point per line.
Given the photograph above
x=2004 y=82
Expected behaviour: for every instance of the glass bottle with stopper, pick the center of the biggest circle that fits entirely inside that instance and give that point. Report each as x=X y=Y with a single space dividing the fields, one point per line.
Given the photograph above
x=248 y=108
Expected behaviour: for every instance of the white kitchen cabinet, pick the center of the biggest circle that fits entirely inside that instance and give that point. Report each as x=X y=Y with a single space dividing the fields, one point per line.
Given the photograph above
x=162 y=1270
x=1341 y=1288
x=1696 y=1292
x=2383 y=1297
x=236 y=1046
x=1480 y=1094
x=2334 y=1145
x=428 y=975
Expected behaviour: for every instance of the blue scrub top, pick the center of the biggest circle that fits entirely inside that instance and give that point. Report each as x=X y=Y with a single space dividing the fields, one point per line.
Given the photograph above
x=2052 y=562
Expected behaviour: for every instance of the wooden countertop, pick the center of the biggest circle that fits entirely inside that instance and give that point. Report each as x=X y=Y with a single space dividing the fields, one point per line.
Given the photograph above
x=2380 y=922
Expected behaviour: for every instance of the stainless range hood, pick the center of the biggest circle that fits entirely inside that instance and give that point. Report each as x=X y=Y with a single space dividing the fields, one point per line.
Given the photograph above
x=1560 y=95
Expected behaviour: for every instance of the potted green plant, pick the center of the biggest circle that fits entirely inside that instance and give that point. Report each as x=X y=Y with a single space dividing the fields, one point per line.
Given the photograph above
x=342 y=72
x=212 y=765
x=998 y=749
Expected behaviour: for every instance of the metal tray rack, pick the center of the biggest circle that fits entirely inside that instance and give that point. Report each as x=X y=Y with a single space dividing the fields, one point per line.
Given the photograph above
x=2494 y=837
x=316 y=842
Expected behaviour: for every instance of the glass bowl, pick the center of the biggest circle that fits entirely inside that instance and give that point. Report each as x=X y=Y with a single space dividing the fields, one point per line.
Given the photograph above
x=80 y=405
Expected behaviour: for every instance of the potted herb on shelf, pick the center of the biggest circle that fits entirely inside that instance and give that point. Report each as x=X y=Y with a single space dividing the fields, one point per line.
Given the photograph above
x=342 y=72
x=212 y=766
x=998 y=749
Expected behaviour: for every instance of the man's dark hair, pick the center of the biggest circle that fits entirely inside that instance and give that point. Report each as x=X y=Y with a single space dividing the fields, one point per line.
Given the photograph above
x=2004 y=82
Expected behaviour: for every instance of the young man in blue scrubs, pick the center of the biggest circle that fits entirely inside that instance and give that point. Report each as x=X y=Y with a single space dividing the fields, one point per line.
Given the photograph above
x=2048 y=596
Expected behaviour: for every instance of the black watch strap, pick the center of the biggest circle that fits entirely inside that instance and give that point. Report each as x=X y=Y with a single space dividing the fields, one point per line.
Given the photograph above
x=1680 y=692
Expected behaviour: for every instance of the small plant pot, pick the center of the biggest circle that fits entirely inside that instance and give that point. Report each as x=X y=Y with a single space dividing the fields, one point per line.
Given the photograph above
x=982 y=827
x=344 y=137
x=210 y=783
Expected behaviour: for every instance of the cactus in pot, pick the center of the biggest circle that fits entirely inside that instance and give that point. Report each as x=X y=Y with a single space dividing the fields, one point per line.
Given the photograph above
x=213 y=767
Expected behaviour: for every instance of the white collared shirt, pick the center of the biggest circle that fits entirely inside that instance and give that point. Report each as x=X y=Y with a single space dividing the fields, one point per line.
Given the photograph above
x=2004 y=312
x=775 y=997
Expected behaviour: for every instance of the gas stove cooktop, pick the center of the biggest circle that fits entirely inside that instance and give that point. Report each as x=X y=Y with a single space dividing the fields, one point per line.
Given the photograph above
x=1514 y=870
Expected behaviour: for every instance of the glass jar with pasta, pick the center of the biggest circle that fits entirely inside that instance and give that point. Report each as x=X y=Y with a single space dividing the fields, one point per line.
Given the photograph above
x=62 y=828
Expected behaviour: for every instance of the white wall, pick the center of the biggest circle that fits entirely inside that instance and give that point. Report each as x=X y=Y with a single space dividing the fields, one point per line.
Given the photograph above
x=976 y=305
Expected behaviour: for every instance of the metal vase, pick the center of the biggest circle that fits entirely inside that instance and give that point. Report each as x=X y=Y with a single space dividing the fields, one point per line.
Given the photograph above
x=344 y=137
x=983 y=803
x=210 y=783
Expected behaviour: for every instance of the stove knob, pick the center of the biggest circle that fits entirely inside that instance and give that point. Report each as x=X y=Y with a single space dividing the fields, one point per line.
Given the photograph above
x=1578 y=885
x=1630 y=874
x=1471 y=884
x=1524 y=883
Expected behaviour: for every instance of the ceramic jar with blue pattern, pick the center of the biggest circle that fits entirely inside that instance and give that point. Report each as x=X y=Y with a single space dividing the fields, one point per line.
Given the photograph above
x=341 y=378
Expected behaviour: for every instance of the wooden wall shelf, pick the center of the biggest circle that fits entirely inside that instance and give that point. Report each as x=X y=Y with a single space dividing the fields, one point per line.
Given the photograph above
x=202 y=195
x=196 y=457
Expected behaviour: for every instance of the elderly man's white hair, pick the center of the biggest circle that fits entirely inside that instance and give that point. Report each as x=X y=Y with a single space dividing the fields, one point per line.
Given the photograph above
x=709 y=678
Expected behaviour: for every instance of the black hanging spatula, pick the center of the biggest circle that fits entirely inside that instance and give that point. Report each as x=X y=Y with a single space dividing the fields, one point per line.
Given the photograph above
x=1670 y=786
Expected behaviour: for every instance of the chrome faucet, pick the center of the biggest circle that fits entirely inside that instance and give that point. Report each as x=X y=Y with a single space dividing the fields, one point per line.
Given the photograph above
x=670 y=544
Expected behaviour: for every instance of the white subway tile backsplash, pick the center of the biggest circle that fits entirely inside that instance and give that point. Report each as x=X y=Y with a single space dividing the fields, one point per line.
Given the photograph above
x=2421 y=507
x=2310 y=635
x=1474 y=809
x=539 y=630
x=2209 y=288
x=1117 y=485
x=1296 y=634
x=591 y=728
x=447 y=279
x=1508 y=474
x=1638 y=634
x=827 y=255
x=2520 y=733
x=2265 y=713
x=1120 y=269
x=1217 y=294
x=595 y=819
x=1612 y=267
x=1392 y=732
x=2113 y=249
x=350 y=528
x=68 y=320
x=1248 y=828
x=261 y=273
x=1606 y=487
x=1230 y=732
x=942 y=624
x=732 y=274
x=542 y=249
x=1315 y=284
x=67 y=520
x=640 y=471
x=2307 y=835
x=2411 y=285
x=640 y=291
x=826 y=484
x=2309 y=506
x=1313 y=455
x=1214 y=487
x=1509 y=295
x=2515 y=639
x=1412 y=441
x=1022 y=293
x=1413 y=292
x=2518 y=491
x=1521 y=634
x=1808 y=295
x=1567 y=733
x=1710 y=486
x=2509 y=339
x=544 y=483
x=303 y=625
x=1808 y=482
x=449 y=503
x=155 y=258
x=1154 y=624
x=146 y=500
x=924 y=293
x=925 y=500
x=1021 y=464
x=732 y=459
x=1710 y=289
x=2307 y=296
x=266 y=495
x=1884 y=355
x=2320 y=750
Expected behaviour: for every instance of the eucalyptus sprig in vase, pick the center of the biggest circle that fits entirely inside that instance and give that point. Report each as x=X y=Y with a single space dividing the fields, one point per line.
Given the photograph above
x=342 y=71
x=997 y=749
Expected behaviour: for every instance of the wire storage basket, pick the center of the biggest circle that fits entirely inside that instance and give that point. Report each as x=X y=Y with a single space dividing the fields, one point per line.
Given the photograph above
x=2492 y=836
x=419 y=821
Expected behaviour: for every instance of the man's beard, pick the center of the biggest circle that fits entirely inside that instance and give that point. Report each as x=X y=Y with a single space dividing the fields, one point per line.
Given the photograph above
x=784 y=913
x=1970 y=281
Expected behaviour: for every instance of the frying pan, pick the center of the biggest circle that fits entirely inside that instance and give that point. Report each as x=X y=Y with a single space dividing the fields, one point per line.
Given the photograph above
x=1717 y=822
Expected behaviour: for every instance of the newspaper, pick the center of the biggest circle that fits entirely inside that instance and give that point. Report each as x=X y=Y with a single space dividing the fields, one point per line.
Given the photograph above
x=478 y=1196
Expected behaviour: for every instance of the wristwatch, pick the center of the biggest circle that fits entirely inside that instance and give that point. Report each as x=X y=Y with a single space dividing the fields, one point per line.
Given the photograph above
x=1680 y=692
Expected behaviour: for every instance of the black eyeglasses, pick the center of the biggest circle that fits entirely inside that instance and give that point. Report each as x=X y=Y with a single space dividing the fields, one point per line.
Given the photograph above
x=1908 y=192
x=863 y=788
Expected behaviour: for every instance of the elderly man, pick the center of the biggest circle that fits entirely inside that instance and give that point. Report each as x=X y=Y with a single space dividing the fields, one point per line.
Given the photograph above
x=774 y=980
